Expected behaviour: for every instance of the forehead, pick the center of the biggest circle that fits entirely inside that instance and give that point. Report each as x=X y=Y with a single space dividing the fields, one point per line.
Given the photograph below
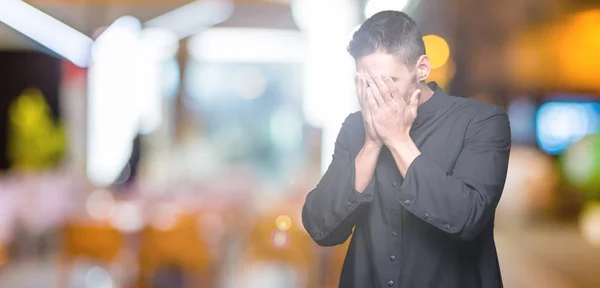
x=382 y=64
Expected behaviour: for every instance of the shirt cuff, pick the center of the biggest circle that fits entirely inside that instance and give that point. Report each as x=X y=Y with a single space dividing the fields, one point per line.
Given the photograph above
x=421 y=171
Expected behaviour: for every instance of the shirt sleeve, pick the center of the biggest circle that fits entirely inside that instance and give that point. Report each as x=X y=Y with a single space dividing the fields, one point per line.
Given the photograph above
x=333 y=207
x=462 y=202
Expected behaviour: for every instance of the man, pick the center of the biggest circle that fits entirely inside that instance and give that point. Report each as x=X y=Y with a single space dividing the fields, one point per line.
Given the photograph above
x=418 y=173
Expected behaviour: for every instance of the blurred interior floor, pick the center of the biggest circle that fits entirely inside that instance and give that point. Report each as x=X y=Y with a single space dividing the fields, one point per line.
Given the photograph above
x=540 y=256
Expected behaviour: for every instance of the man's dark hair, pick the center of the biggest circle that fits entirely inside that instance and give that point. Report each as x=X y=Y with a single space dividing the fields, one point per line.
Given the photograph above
x=392 y=32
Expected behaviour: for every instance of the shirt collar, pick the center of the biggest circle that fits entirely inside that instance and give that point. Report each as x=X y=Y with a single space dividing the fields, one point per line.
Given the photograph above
x=428 y=108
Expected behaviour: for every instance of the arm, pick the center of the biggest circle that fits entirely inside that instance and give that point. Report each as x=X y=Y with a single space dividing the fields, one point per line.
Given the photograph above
x=333 y=207
x=463 y=203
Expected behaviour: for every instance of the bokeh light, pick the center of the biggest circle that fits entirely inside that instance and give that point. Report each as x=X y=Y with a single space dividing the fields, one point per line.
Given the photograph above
x=127 y=217
x=581 y=164
x=283 y=222
x=280 y=239
x=531 y=185
x=98 y=277
x=590 y=223
x=437 y=49
x=577 y=46
x=559 y=124
x=165 y=216
x=443 y=75
x=100 y=204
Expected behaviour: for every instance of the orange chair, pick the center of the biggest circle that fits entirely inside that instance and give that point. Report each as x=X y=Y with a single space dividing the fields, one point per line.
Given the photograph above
x=96 y=241
x=181 y=246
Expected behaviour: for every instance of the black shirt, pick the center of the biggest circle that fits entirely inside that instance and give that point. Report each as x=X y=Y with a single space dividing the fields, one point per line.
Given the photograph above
x=435 y=228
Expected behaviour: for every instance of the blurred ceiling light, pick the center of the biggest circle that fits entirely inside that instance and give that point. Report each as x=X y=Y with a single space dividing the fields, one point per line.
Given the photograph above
x=125 y=24
x=248 y=45
x=437 y=49
x=46 y=30
x=328 y=68
x=317 y=16
x=113 y=118
x=375 y=6
x=159 y=43
x=194 y=17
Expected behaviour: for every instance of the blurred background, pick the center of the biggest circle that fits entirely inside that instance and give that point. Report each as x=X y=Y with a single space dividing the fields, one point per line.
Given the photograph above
x=171 y=143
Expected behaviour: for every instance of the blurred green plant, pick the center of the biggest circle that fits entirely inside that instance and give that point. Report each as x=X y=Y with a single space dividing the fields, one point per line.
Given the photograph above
x=581 y=166
x=35 y=140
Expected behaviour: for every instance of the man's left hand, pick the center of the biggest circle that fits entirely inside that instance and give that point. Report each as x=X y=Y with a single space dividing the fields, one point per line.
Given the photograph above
x=392 y=115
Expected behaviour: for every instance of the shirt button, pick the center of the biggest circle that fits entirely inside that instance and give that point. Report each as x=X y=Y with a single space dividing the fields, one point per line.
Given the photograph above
x=447 y=226
x=391 y=283
x=425 y=216
x=392 y=258
x=394 y=233
x=407 y=202
x=395 y=183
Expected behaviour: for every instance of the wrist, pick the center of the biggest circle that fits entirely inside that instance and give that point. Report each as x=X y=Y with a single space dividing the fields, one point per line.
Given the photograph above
x=399 y=140
x=404 y=151
x=372 y=145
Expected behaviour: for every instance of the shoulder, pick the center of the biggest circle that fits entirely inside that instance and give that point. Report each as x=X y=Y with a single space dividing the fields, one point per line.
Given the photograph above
x=353 y=121
x=475 y=111
x=352 y=134
x=481 y=118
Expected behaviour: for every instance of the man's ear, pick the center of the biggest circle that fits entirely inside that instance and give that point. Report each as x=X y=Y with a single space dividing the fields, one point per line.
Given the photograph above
x=423 y=68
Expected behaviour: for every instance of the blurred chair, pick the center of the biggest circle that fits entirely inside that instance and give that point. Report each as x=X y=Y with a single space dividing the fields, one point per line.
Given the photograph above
x=178 y=246
x=95 y=241
x=280 y=250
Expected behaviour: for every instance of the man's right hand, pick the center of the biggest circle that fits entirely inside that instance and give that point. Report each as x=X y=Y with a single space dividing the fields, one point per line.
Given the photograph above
x=372 y=139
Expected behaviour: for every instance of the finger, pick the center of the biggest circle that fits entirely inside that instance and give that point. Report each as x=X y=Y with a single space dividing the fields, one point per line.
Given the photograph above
x=368 y=99
x=363 y=91
x=413 y=103
x=384 y=90
x=371 y=98
x=359 y=87
x=394 y=92
x=375 y=90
